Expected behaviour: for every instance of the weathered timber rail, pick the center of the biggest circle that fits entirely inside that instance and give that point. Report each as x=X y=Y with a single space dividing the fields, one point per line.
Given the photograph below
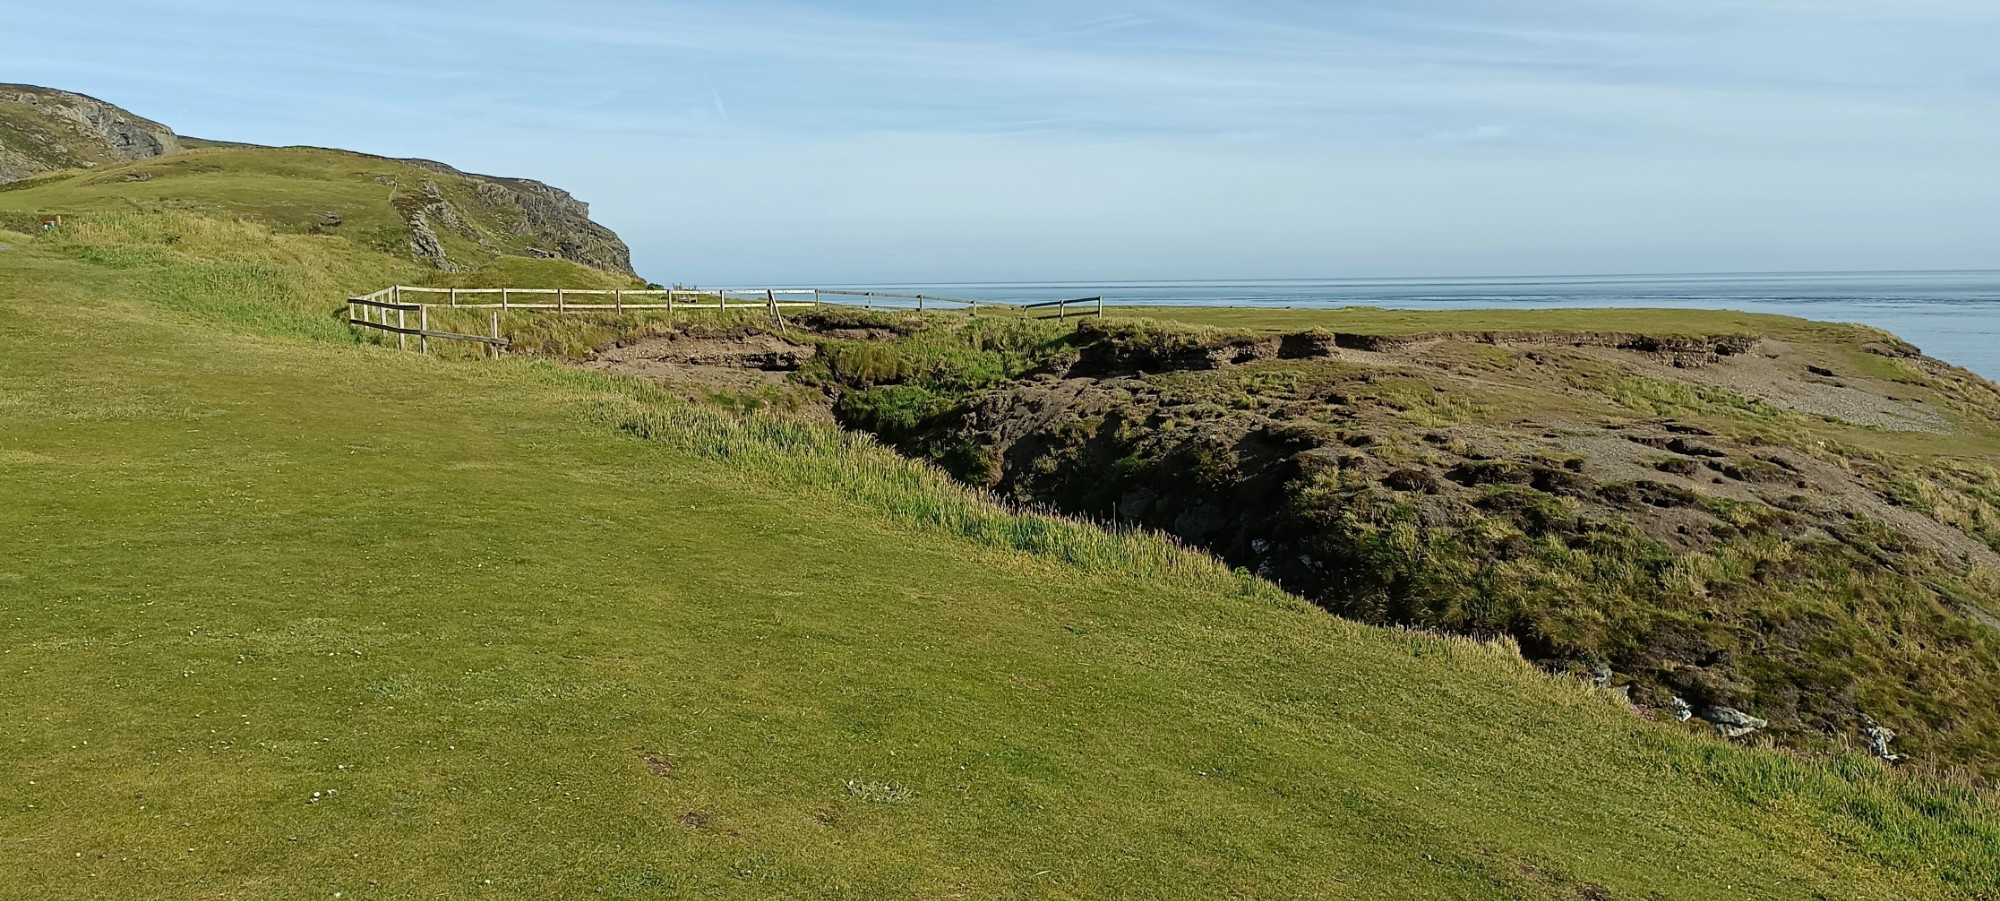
x=358 y=314
x=372 y=311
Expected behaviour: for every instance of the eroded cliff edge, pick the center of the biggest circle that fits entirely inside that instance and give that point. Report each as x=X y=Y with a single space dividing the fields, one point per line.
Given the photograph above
x=1787 y=532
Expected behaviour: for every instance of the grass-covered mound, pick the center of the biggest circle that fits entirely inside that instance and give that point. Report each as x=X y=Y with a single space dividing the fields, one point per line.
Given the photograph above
x=450 y=221
x=290 y=615
x=1712 y=511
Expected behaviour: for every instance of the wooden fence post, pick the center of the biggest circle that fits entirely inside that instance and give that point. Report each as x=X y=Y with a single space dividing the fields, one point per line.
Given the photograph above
x=1100 y=308
x=559 y=301
x=1062 y=310
x=670 y=304
x=496 y=336
x=920 y=303
x=396 y=294
x=618 y=300
x=402 y=340
x=503 y=298
x=424 y=327
x=722 y=300
x=454 y=297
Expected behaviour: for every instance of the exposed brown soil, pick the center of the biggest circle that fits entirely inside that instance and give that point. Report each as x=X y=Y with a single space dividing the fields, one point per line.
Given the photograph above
x=1109 y=358
x=657 y=765
x=1677 y=513
x=1609 y=453
x=729 y=362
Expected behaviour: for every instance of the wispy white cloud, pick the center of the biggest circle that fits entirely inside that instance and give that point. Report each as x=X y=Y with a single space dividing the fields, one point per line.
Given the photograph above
x=1197 y=102
x=721 y=109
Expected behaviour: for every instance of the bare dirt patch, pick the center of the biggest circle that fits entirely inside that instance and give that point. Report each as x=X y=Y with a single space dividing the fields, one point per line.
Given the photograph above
x=657 y=765
x=718 y=363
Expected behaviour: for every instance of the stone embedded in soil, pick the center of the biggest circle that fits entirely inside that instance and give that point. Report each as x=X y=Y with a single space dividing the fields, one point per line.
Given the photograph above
x=1733 y=723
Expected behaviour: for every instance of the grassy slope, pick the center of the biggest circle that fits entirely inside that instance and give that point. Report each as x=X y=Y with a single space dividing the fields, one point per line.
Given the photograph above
x=292 y=189
x=244 y=560
x=1808 y=625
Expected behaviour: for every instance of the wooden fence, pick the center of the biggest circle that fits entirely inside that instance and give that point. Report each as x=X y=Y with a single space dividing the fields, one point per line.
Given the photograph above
x=923 y=300
x=372 y=311
x=559 y=299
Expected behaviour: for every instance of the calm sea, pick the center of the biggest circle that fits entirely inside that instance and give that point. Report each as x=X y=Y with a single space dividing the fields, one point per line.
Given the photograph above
x=1954 y=316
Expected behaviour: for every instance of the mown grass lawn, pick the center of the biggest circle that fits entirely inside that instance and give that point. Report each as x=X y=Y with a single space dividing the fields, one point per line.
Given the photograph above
x=520 y=651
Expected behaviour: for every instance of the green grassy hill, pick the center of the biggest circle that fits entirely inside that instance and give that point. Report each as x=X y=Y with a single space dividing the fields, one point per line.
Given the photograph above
x=379 y=203
x=292 y=614
x=64 y=153
x=42 y=129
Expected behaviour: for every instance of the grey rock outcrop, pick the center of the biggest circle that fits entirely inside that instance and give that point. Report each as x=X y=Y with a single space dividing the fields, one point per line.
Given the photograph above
x=1732 y=723
x=437 y=207
x=50 y=129
x=432 y=211
x=559 y=224
x=426 y=246
x=1879 y=737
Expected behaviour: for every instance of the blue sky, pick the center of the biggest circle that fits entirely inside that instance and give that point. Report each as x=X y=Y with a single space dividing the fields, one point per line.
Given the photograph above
x=761 y=142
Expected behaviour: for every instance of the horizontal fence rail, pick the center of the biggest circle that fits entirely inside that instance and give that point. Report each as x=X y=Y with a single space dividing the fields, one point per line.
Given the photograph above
x=372 y=311
x=1062 y=306
x=384 y=305
x=358 y=309
x=923 y=300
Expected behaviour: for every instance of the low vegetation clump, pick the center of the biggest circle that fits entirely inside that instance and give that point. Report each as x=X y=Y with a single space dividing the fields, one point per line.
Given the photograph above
x=898 y=389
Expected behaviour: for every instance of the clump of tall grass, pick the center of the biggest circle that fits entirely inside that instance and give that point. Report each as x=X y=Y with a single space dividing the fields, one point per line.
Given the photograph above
x=853 y=465
x=945 y=356
x=1158 y=337
x=1424 y=405
x=1657 y=397
x=1941 y=828
x=230 y=271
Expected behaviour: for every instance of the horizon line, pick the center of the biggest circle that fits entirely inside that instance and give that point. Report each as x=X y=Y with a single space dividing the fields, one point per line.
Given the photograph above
x=1806 y=273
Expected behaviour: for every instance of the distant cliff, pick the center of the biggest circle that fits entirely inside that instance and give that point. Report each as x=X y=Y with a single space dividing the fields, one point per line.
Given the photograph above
x=554 y=222
x=43 y=129
x=437 y=214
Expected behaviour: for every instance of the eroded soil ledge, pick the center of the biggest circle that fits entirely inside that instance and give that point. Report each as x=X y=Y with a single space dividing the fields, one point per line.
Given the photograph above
x=1799 y=526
